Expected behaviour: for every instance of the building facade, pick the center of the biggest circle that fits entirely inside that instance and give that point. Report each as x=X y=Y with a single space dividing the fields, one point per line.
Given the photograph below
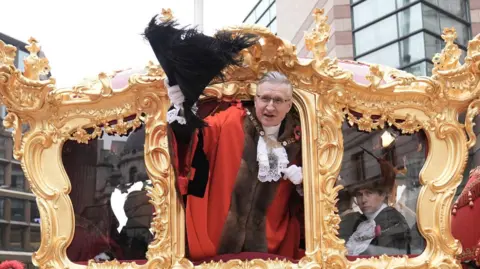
x=403 y=34
x=19 y=216
x=264 y=13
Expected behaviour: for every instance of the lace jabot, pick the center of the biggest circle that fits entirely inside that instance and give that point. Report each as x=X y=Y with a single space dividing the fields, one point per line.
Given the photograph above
x=272 y=156
x=361 y=238
x=271 y=160
x=365 y=233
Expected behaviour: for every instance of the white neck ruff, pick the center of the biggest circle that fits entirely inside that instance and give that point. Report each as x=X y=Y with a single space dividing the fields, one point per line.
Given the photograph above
x=271 y=161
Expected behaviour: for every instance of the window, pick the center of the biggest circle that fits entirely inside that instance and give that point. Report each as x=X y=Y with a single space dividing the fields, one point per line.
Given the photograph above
x=264 y=20
x=2 y=175
x=386 y=56
x=18 y=178
x=273 y=26
x=2 y=234
x=2 y=209
x=376 y=35
x=429 y=69
x=412 y=49
x=3 y=143
x=371 y=10
x=418 y=69
x=408 y=51
x=263 y=13
x=250 y=19
x=21 y=55
x=17 y=209
x=389 y=29
x=410 y=20
x=436 y=22
x=456 y=7
x=359 y=162
x=273 y=11
x=262 y=6
x=3 y=111
x=435 y=45
x=34 y=238
x=16 y=237
x=34 y=214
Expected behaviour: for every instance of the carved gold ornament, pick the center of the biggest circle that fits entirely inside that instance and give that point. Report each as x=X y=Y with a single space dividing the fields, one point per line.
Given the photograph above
x=326 y=94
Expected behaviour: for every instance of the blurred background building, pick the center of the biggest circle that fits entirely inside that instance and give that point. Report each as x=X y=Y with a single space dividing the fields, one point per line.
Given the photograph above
x=19 y=216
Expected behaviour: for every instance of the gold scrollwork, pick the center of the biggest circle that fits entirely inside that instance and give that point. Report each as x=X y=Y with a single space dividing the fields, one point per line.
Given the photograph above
x=326 y=94
x=7 y=53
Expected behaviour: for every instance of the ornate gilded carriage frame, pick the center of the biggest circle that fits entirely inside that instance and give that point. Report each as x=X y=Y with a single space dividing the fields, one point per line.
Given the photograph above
x=325 y=94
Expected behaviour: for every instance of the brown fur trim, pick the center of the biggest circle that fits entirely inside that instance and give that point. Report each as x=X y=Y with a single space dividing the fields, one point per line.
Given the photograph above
x=245 y=226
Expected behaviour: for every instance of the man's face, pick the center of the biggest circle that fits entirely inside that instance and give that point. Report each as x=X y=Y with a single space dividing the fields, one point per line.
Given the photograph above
x=369 y=201
x=272 y=103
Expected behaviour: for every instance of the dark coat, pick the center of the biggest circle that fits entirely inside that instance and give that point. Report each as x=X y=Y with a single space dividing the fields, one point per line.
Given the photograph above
x=394 y=238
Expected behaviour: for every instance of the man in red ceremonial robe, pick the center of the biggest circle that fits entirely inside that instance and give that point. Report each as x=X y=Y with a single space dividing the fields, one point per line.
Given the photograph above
x=237 y=169
x=252 y=157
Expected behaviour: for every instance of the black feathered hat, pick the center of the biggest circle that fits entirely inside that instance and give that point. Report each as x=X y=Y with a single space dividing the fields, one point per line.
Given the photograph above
x=192 y=60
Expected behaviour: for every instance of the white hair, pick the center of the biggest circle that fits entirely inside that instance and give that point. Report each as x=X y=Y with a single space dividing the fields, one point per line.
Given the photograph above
x=275 y=77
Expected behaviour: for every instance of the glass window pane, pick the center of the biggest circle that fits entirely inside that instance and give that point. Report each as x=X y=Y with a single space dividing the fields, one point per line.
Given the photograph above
x=410 y=20
x=34 y=214
x=34 y=239
x=3 y=143
x=432 y=45
x=273 y=11
x=2 y=210
x=456 y=7
x=388 y=56
x=2 y=175
x=376 y=35
x=418 y=69
x=429 y=72
x=402 y=3
x=412 y=49
x=2 y=232
x=273 y=26
x=462 y=29
x=17 y=210
x=21 y=55
x=371 y=10
x=436 y=22
x=16 y=237
x=18 y=178
x=250 y=19
x=265 y=20
x=262 y=6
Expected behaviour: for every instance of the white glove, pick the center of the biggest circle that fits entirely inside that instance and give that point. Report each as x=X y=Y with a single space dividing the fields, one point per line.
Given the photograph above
x=177 y=98
x=294 y=174
x=174 y=94
x=102 y=257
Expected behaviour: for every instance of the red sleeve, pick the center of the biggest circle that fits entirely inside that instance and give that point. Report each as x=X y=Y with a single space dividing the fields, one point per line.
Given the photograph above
x=214 y=129
x=184 y=155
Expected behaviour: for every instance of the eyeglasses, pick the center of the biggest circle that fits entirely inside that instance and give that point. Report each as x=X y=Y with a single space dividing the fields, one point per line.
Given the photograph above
x=276 y=100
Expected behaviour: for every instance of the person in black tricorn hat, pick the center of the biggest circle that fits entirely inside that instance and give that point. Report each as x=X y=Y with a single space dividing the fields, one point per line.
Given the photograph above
x=381 y=229
x=243 y=168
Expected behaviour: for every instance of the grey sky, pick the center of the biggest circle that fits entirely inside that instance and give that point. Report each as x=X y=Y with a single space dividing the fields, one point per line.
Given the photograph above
x=84 y=38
